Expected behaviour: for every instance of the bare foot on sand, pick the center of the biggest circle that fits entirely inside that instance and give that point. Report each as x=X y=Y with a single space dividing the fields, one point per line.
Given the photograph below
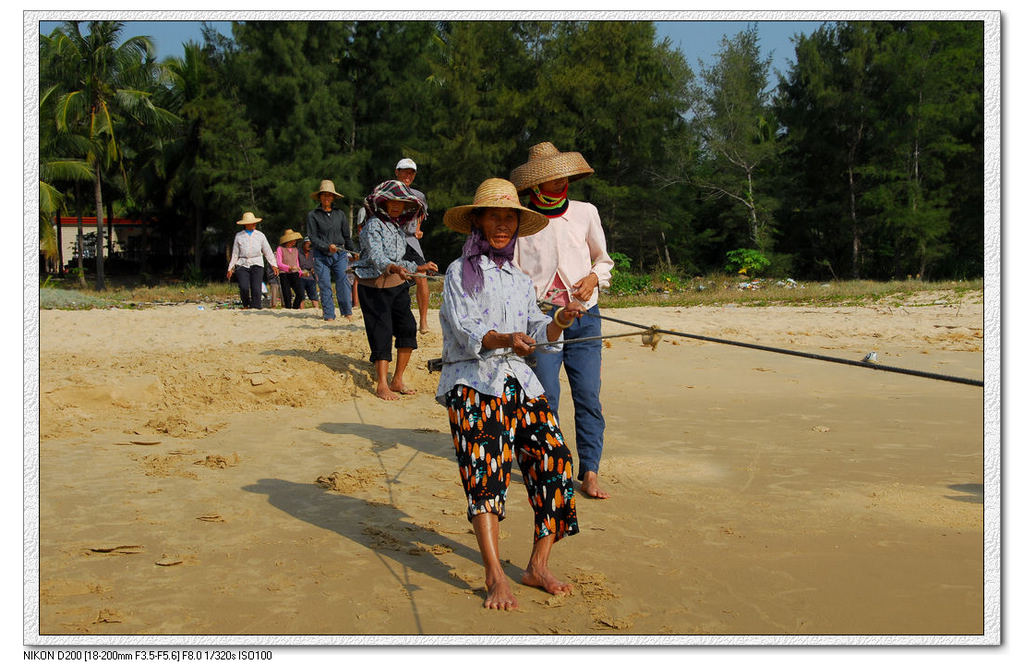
x=385 y=393
x=401 y=388
x=424 y=328
x=499 y=595
x=590 y=487
x=545 y=580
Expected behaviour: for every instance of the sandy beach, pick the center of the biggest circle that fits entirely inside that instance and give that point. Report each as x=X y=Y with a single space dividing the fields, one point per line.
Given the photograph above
x=208 y=472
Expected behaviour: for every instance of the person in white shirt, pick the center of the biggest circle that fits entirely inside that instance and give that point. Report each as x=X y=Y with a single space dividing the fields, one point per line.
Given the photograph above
x=568 y=261
x=247 y=253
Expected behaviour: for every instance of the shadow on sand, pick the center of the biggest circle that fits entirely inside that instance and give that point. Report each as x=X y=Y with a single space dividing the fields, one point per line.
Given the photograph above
x=379 y=527
x=975 y=493
x=358 y=369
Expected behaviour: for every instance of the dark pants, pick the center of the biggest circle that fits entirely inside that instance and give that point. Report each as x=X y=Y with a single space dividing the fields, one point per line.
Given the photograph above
x=488 y=431
x=387 y=313
x=250 y=286
x=291 y=284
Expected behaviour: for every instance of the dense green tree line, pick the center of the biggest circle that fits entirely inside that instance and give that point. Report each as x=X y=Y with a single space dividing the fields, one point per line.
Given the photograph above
x=865 y=161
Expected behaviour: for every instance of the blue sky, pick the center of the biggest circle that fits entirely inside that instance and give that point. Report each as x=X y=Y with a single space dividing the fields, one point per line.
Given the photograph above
x=696 y=39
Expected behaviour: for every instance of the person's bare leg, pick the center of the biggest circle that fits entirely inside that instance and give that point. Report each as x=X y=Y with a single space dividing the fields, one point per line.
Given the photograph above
x=383 y=391
x=537 y=573
x=499 y=591
x=590 y=487
x=422 y=301
x=398 y=382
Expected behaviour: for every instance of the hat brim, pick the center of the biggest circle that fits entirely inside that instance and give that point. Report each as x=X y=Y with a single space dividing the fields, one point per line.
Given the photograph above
x=562 y=165
x=288 y=239
x=316 y=195
x=460 y=218
x=252 y=221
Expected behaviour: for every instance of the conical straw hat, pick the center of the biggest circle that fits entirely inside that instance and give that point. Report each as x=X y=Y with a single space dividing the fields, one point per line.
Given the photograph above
x=494 y=193
x=326 y=186
x=548 y=163
x=289 y=235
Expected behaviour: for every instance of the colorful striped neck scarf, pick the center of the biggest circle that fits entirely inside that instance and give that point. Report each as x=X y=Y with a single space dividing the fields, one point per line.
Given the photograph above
x=549 y=205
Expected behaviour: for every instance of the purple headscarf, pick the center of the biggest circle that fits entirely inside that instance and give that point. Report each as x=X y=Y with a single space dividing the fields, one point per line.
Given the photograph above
x=475 y=247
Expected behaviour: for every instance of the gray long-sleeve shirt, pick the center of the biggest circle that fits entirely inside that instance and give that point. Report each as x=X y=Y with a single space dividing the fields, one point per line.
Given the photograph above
x=325 y=229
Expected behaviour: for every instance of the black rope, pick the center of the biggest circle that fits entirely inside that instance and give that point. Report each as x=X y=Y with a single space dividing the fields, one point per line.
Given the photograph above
x=790 y=352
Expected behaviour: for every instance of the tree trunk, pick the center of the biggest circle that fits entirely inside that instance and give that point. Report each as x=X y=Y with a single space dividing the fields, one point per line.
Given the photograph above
x=853 y=225
x=60 y=245
x=755 y=234
x=110 y=227
x=100 y=286
x=199 y=239
x=81 y=240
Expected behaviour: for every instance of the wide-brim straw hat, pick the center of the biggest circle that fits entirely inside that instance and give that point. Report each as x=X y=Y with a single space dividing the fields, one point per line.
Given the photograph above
x=548 y=163
x=249 y=218
x=326 y=186
x=494 y=193
x=289 y=235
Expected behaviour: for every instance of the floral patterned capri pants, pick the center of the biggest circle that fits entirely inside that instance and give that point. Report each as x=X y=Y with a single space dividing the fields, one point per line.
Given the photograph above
x=488 y=431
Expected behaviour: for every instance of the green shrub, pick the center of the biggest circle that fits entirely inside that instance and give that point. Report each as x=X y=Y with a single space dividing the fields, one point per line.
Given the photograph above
x=747 y=261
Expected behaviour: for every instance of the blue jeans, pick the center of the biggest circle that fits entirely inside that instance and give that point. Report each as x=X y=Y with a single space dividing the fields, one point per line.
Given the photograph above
x=582 y=363
x=331 y=268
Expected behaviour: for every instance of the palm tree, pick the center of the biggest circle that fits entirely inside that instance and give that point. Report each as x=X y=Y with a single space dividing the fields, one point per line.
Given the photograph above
x=57 y=167
x=101 y=83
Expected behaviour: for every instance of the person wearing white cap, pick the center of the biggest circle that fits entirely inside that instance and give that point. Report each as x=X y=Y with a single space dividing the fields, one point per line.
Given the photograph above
x=568 y=262
x=247 y=254
x=405 y=172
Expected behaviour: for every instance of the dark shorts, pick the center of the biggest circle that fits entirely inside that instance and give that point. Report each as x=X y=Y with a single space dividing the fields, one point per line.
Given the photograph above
x=387 y=315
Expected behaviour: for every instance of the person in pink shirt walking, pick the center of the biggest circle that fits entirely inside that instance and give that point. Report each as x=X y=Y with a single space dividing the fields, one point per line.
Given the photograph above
x=568 y=261
x=287 y=256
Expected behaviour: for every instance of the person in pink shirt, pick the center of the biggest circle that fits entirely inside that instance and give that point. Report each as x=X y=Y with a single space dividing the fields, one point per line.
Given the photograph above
x=568 y=262
x=287 y=256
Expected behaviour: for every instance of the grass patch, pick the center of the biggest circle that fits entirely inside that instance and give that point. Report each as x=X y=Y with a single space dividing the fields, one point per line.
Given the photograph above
x=65 y=298
x=748 y=293
x=710 y=291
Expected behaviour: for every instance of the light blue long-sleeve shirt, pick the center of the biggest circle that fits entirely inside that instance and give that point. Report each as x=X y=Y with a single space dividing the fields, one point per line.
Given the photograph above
x=381 y=244
x=507 y=303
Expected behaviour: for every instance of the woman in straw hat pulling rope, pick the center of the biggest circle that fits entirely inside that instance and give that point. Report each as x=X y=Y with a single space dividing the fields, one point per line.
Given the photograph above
x=247 y=253
x=382 y=280
x=327 y=228
x=496 y=406
x=287 y=256
x=568 y=262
